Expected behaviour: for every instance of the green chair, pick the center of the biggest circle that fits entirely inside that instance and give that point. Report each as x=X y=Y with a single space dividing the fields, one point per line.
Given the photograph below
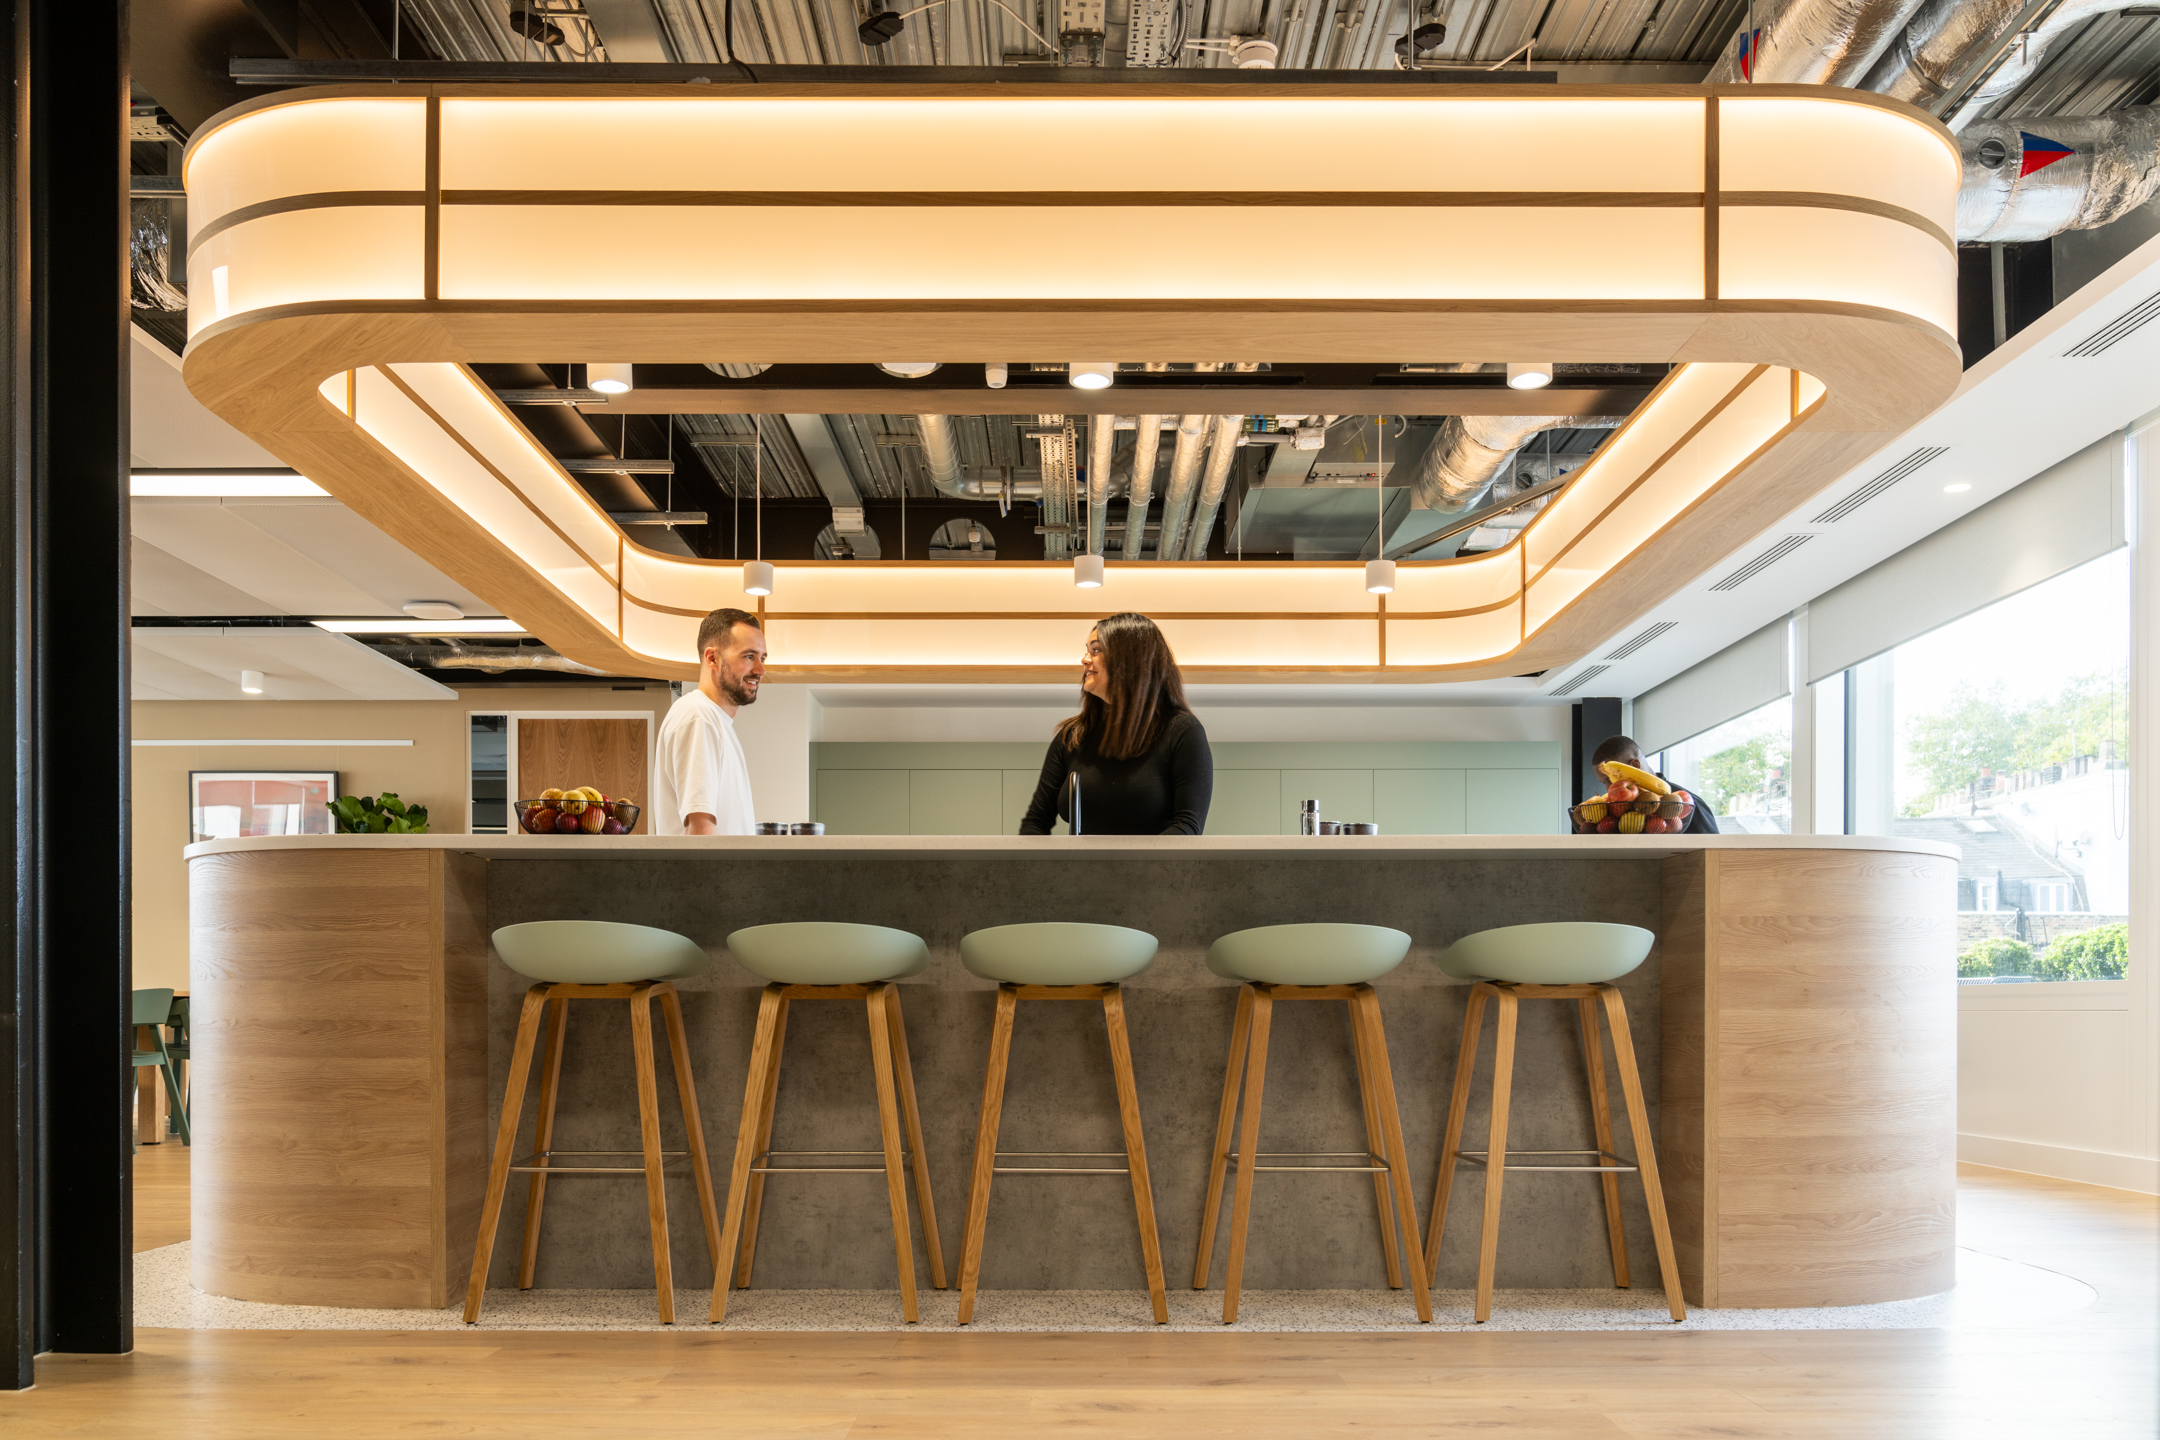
x=1059 y=960
x=828 y=960
x=152 y=1010
x=1311 y=962
x=595 y=960
x=1565 y=960
x=182 y=1050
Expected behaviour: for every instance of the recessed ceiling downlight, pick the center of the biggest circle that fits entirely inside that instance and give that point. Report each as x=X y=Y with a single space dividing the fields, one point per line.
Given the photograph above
x=1529 y=374
x=908 y=369
x=1092 y=374
x=609 y=379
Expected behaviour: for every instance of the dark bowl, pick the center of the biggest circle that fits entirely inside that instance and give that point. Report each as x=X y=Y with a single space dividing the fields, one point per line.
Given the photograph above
x=543 y=817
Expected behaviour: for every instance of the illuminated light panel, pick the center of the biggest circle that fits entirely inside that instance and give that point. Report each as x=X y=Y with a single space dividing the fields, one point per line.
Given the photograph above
x=372 y=143
x=231 y=487
x=1859 y=150
x=480 y=626
x=1795 y=254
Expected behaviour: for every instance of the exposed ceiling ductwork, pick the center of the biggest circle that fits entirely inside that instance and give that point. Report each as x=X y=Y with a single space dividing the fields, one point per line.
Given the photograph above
x=1213 y=481
x=1458 y=467
x=2110 y=166
x=1192 y=437
x=1947 y=38
x=1816 y=42
x=2027 y=57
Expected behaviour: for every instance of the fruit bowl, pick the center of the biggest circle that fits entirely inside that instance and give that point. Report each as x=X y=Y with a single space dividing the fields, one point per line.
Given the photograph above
x=1670 y=811
x=584 y=817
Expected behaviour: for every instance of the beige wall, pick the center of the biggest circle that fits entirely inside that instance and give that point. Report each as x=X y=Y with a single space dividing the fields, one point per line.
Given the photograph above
x=432 y=772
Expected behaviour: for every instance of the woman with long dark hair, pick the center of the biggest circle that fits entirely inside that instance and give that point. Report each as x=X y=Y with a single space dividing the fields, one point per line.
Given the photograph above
x=1136 y=750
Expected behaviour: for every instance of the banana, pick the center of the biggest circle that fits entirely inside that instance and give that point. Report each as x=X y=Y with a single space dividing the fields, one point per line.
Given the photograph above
x=1648 y=783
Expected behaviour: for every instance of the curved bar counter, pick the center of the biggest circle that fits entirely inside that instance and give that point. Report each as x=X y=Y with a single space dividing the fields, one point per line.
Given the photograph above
x=1795 y=1025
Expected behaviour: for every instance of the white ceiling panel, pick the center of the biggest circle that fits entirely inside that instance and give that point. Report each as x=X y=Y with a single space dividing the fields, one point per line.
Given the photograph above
x=337 y=539
x=169 y=429
x=164 y=584
x=302 y=663
x=217 y=539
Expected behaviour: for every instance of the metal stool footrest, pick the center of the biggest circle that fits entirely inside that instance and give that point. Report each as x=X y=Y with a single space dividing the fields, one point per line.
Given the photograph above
x=526 y=1166
x=1060 y=1169
x=1379 y=1166
x=1620 y=1165
x=766 y=1167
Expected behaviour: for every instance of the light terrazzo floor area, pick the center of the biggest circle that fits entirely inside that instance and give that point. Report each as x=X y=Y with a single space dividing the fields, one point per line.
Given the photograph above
x=1991 y=1291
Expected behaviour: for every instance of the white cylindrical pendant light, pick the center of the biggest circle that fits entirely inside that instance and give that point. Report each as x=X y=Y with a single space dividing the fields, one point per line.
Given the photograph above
x=251 y=682
x=1529 y=374
x=1092 y=374
x=908 y=369
x=994 y=374
x=1379 y=577
x=1088 y=571
x=608 y=379
x=757 y=577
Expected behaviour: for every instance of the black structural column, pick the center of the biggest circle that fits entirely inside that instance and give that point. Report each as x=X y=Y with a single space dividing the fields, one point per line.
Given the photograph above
x=63 y=406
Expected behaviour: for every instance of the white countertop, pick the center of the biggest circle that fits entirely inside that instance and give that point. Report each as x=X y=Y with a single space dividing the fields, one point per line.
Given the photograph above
x=653 y=847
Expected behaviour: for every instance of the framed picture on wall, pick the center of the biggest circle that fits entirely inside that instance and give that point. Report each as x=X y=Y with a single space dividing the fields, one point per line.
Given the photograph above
x=232 y=804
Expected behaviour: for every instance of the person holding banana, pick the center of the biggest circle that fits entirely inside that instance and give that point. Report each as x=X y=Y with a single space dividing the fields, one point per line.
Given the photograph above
x=1623 y=754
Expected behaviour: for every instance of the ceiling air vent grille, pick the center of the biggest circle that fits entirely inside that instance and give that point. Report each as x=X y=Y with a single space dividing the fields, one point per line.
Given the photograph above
x=1581 y=680
x=2121 y=328
x=1926 y=455
x=1762 y=562
x=1627 y=648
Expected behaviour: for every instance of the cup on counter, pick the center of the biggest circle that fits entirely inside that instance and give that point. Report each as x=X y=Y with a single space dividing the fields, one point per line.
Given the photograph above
x=806 y=827
x=1328 y=827
x=772 y=827
x=1360 y=827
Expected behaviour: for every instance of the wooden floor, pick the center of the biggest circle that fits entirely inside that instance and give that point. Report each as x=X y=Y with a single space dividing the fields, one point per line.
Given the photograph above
x=2094 y=1374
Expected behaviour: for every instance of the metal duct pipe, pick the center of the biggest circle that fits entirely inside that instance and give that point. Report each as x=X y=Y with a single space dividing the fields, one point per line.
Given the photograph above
x=1818 y=42
x=1944 y=37
x=1102 y=444
x=1213 y=481
x=941 y=455
x=1147 y=439
x=2113 y=167
x=441 y=658
x=2030 y=53
x=1458 y=467
x=1192 y=435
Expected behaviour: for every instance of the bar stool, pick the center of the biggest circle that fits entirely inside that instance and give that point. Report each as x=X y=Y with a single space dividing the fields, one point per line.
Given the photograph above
x=1567 y=960
x=1311 y=962
x=1059 y=960
x=828 y=960
x=594 y=960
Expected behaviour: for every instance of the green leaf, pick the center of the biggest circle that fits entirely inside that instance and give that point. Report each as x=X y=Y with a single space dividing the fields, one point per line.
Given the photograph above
x=391 y=803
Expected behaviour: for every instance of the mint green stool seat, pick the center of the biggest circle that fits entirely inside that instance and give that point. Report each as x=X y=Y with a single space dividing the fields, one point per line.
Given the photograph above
x=1310 y=962
x=597 y=952
x=1317 y=954
x=595 y=960
x=1059 y=960
x=828 y=952
x=829 y=960
x=1057 y=952
x=1561 y=952
x=1571 y=960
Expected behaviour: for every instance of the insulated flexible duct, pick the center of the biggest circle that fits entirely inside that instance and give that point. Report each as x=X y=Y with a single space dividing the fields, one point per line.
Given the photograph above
x=1192 y=436
x=1817 y=42
x=1147 y=438
x=1458 y=467
x=2030 y=53
x=2113 y=166
x=1922 y=62
x=1213 y=481
x=941 y=455
x=1102 y=444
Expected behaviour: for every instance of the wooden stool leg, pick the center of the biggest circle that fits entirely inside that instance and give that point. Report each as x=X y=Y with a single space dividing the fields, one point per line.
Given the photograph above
x=1263 y=1008
x=648 y=1103
x=1376 y=1144
x=693 y=1121
x=558 y=1017
x=1143 y=1190
x=1638 y=1115
x=505 y=1138
x=986 y=1140
x=1225 y=1117
x=1398 y=1153
x=1503 y=1082
x=762 y=1053
x=1451 y=1140
x=881 y=1063
x=911 y=1118
x=768 y=1106
x=1601 y=1118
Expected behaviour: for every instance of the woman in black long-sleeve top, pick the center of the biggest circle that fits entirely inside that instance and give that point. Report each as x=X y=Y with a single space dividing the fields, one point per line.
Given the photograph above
x=1140 y=755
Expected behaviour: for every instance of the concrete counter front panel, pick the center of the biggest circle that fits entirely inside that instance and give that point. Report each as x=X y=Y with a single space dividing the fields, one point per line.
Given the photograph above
x=1795 y=1029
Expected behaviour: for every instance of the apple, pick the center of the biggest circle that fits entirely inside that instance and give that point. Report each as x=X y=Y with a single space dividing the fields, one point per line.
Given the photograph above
x=1607 y=825
x=1622 y=792
x=1656 y=826
x=592 y=820
x=566 y=823
x=613 y=827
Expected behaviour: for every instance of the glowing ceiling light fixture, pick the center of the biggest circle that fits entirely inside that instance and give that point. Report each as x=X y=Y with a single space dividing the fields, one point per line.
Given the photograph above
x=908 y=369
x=217 y=484
x=251 y=682
x=1379 y=577
x=1092 y=374
x=1529 y=374
x=1088 y=571
x=757 y=577
x=481 y=625
x=609 y=379
x=1958 y=488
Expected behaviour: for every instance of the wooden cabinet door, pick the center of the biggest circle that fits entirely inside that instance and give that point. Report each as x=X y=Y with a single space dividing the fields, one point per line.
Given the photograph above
x=563 y=754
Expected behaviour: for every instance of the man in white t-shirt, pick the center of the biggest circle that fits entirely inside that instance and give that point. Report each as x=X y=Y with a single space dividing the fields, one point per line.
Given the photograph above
x=701 y=782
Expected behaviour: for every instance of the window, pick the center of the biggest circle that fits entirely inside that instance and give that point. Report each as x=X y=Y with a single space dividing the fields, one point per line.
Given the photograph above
x=2006 y=733
x=1743 y=768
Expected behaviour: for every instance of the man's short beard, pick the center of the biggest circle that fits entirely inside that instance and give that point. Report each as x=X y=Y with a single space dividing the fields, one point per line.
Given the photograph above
x=736 y=690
